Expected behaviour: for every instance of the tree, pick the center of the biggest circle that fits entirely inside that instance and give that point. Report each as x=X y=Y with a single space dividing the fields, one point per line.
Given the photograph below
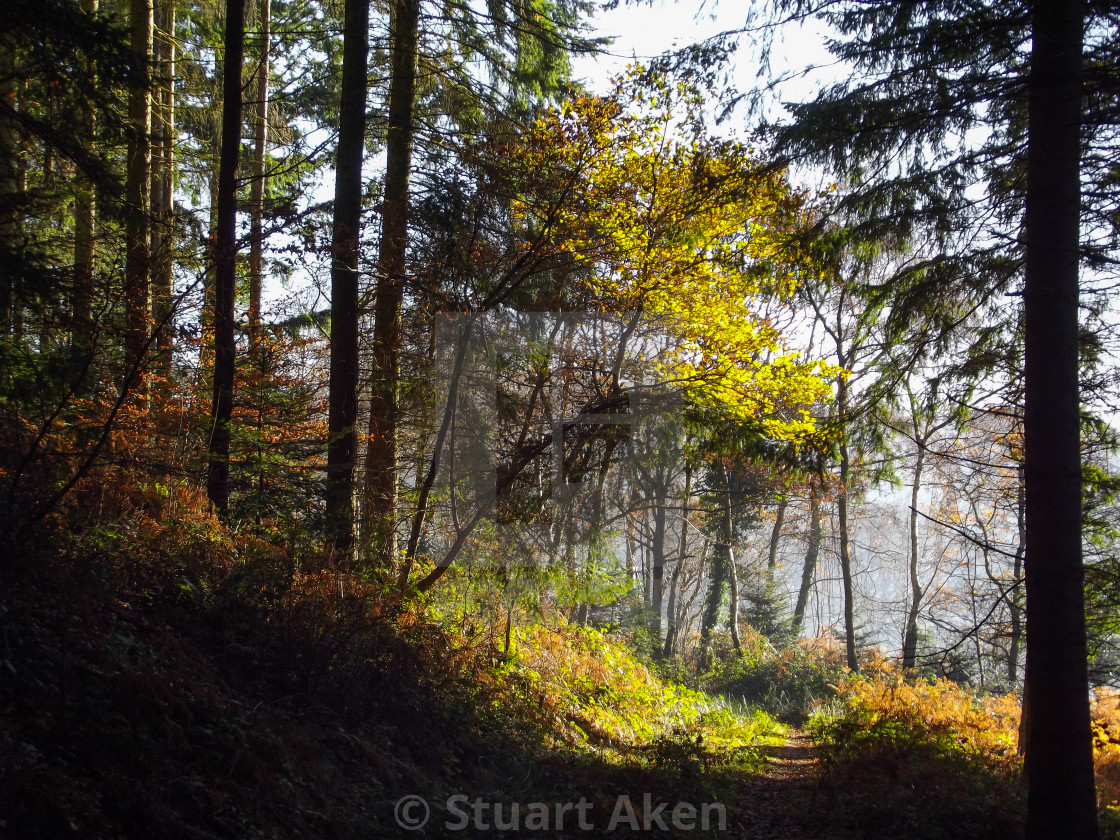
x=137 y=253
x=381 y=454
x=812 y=555
x=635 y=223
x=525 y=51
x=850 y=328
x=934 y=71
x=225 y=266
x=163 y=180
x=1059 y=761
x=260 y=159
x=85 y=216
x=343 y=407
x=923 y=423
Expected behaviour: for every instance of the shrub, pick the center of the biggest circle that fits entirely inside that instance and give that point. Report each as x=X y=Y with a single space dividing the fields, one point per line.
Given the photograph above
x=594 y=687
x=784 y=683
x=921 y=758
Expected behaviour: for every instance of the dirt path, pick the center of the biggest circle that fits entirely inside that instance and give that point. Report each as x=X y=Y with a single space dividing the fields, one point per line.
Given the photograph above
x=776 y=805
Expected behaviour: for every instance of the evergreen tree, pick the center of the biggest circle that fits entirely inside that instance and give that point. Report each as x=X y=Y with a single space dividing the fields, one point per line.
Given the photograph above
x=225 y=268
x=343 y=409
x=947 y=100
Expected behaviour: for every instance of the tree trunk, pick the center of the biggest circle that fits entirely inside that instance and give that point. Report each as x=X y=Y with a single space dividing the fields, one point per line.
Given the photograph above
x=163 y=181
x=657 y=562
x=910 y=637
x=772 y=559
x=225 y=269
x=85 y=219
x=1015 y=601
x=727 y=538
x=671 y=610
x=682 y=550
x=733 y=609
x=381 y=453
x=718 y=577
x=722 y=572
x=846 y=560
x=1061 y=799
x=343 y=405
x=137 y=194
x=812 y=554
x=11 y=234
x=256 y=197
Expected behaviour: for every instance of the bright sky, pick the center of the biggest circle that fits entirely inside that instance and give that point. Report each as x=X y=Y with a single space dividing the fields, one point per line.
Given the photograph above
x=647 y=30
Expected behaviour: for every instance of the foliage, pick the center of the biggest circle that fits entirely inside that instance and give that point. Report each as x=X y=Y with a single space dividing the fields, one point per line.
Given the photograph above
x=597 y=690
x=693 y=232
x=784 y=682
x=1106 y=752
x=921 y=758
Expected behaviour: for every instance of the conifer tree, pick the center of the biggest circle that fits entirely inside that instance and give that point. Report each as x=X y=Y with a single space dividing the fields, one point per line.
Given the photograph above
x=138 y=195
x=225 y=267
x=947 y=98
x=343 y=408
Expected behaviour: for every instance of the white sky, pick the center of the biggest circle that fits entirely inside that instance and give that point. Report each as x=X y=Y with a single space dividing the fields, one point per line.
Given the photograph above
x=646 y=30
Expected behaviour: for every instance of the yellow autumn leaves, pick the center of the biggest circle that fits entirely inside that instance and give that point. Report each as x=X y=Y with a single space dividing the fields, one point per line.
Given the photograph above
x=693 y=232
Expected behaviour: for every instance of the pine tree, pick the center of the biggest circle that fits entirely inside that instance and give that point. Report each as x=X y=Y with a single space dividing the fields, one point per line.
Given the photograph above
x=343 y=408
x=947 y=99
x=225 y=267
x=137 y=251
x=1062 y=789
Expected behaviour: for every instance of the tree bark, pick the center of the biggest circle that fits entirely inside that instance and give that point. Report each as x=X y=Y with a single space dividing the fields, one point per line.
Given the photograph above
x=256 y=196
x=733 y=608
x=812 y=554
x=225 y=269
x=727 y=538
x=1061 y=798
x=710 y=617
x=846 y=559
x=163 y=182
x=343 y=404
x=682 y=550
x=381 y=452
x=657 y=566
x=85 y=220
x=910 y=637
x=138 y=194
x=772 y=559
x=1015 y=600
x=11 y=233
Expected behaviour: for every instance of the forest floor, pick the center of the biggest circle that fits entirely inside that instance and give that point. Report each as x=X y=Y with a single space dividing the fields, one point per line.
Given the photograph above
x=141 y=708
x=779 y=803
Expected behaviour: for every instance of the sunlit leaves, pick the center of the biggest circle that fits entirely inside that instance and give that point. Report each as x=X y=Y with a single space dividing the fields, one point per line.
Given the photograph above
x=696 y=233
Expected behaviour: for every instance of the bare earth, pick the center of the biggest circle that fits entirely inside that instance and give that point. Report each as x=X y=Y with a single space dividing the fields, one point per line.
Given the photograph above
x=777 y=805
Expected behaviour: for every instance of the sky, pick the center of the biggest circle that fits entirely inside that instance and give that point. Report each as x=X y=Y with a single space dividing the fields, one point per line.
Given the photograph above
x=651 y=28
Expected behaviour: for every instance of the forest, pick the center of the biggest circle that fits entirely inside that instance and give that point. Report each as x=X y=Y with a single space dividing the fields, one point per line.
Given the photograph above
x=406 y=437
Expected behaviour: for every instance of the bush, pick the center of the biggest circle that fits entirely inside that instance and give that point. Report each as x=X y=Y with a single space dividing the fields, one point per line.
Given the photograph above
x=784 y=683
x=594 y=687
x=920 y=758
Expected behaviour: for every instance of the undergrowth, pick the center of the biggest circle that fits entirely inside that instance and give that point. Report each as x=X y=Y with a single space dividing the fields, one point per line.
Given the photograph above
x=784 y=682
x=166 y=677
x=918 y=758
x=600 y=696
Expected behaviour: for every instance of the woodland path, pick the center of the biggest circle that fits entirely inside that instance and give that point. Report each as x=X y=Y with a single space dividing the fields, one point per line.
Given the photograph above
x=778 y=804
